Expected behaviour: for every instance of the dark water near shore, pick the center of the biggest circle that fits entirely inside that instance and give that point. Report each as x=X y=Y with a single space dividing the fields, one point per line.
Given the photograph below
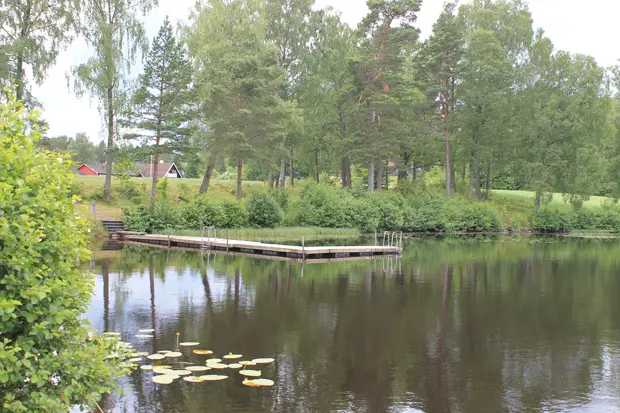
x=458 y=325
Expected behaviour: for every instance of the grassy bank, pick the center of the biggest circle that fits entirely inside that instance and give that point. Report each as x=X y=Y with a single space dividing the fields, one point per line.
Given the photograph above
x=281 y=234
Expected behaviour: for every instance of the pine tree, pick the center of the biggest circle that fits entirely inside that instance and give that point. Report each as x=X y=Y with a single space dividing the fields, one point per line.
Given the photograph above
x=160 y=104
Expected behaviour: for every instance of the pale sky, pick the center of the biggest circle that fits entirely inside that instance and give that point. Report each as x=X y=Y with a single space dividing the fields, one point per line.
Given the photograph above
x=590 y=28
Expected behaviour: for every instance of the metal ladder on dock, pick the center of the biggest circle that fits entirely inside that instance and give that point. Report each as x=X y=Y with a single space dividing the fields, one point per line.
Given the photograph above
x=393 y=239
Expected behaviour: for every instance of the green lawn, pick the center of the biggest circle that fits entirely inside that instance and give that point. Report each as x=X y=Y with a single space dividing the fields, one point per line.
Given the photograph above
x=557 y=200
x=276 y=234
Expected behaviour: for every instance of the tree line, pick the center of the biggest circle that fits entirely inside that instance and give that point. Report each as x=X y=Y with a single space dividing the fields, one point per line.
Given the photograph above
x=282 y=88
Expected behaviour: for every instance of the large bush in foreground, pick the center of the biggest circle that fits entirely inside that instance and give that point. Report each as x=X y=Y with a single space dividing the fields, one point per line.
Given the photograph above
x=47 y=361
x=264 y=211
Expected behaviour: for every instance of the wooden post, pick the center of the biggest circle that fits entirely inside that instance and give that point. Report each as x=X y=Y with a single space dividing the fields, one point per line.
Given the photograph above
x=303 y=249
x=94 y=208
x=226 y=239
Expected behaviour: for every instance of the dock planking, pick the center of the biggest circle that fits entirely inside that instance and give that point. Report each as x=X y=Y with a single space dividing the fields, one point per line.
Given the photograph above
x=260 y=249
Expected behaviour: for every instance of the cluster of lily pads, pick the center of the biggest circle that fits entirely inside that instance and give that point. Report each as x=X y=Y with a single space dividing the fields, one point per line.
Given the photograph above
x=166 y=374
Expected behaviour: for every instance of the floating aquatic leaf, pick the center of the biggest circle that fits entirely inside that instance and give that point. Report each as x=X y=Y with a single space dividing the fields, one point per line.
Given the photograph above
x=155 y=357
x=173 y=354
x=164 y=351
x=111 y=333
x=146 y=367
x=217 y=365
x=213 y=377
x=193 y=379
x=113 y=355
x=231 y=356
x=247 y=363
x=144 y=336
x=182 y=372
x=264 y=382
x=163 y=379
x=140 y=354
x=146 y=330
x=164 y=370
x=214 y=360
x=250 y=383
x=188 y=344
x=251 y=373
x=135 y=359
x=235 y=366
x=263 y=360
x=202 y=352
x=197 y=368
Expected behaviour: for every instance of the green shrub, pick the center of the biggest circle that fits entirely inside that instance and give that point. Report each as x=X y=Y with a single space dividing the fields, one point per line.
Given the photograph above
x=234 y=215
x=137 y=219
x=323 y=205
x=362 y=214
x=550 y=220
x=478 y=217
x=203 y=211
x=281 y=198
x=603 y=219
x=162 y=187
x=48 y=362
x=391 y=209
x=263 y=211
x=425 y=214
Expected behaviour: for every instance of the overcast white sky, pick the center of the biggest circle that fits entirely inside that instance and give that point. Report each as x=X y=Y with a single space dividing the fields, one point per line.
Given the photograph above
x=589 y=28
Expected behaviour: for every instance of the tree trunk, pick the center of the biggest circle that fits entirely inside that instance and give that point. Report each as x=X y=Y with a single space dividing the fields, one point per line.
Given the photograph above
x=371 y=176
x=292 y=170
x=448 y=174
x=387 y=176
x=422 y=174
x=415 y=173
x=316 y=165
x=471 y=180
x=345 y=172
x=379 y=180
x=271 y=179
x=204 y=187
x=478 y=189
x=19 y=77
x=107 y=188
x=537 y=201
x=239 y=177
x=464 y=173
x=155 y=177
x=281 y=180
x=488 y=181
x=452 y=176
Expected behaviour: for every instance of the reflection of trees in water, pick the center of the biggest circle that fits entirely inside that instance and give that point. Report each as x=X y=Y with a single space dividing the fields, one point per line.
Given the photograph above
x=503 y=327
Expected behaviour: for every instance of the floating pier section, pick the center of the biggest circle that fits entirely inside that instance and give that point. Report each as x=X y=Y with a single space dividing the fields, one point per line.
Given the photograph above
x=258 y=249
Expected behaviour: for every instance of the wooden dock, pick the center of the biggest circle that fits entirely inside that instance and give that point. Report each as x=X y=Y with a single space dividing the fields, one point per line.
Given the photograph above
x=259 y=249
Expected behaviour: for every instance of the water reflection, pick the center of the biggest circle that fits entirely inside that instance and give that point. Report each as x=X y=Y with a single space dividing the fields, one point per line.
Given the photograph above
x=460 y=325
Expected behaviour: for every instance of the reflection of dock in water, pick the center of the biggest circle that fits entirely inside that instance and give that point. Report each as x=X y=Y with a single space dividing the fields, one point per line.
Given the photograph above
x=260 y=249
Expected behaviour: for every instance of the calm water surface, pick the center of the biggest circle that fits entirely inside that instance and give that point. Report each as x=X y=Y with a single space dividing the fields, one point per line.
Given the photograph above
x=457 y=325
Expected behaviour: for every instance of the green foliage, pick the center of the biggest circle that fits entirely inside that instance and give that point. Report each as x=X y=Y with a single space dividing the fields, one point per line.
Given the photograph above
x=426 y=214
x=264 y=211
x=234 y=215
x=137 y=219
x=322 y=205
x=48 y=363
x=162 y=187
x=203 y=212
x=478 y=217
x=550 y=220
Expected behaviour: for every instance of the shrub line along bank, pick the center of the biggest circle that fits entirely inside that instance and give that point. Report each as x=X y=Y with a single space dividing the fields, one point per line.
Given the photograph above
x=323 y=205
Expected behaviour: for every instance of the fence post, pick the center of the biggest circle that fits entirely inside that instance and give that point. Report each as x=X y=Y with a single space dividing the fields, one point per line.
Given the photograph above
x=303 y=249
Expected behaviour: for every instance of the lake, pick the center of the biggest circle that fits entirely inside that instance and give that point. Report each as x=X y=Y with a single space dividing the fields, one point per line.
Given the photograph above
x=486 y=324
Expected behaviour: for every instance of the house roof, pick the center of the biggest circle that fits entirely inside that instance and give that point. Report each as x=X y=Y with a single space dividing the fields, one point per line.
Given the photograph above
x=100 y=169
x=162 y=169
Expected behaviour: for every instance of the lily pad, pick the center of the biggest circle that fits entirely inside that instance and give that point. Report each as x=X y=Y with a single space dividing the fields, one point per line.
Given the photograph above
x=202 y=352
x=146 y=367
x=163 y=379
x=264 y=382
x=251 y=373
x=217 y=365
x=263 y=360
x=135 y=359
x=164 y=351
x=231 y=356
x=250 y=383
x=164 y=371
x=235 y=366
x=111 y=333
x=214 y=360
x=188 y=344
x=156 y=357
x=144 y=336
x=140 y=354
x=146 y=330
x=182 y=372
x=197 y=368
x=213 y=377
x=173 y=354
x=193 y=379
x=247 y=363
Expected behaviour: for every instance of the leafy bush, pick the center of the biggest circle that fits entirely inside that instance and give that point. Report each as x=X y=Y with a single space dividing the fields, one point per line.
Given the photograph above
x=477 y=217
x=281 y=198
x=48 y=363
x=162 y=187
x=391 y=210
x=426 y=214
x=323 y=205
x=137 y=219
x=550 y=220
x=362 y=214
x=604 y=219
x=202 y=211
x=234 y=215
x=264 y=211
x=165 y=216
